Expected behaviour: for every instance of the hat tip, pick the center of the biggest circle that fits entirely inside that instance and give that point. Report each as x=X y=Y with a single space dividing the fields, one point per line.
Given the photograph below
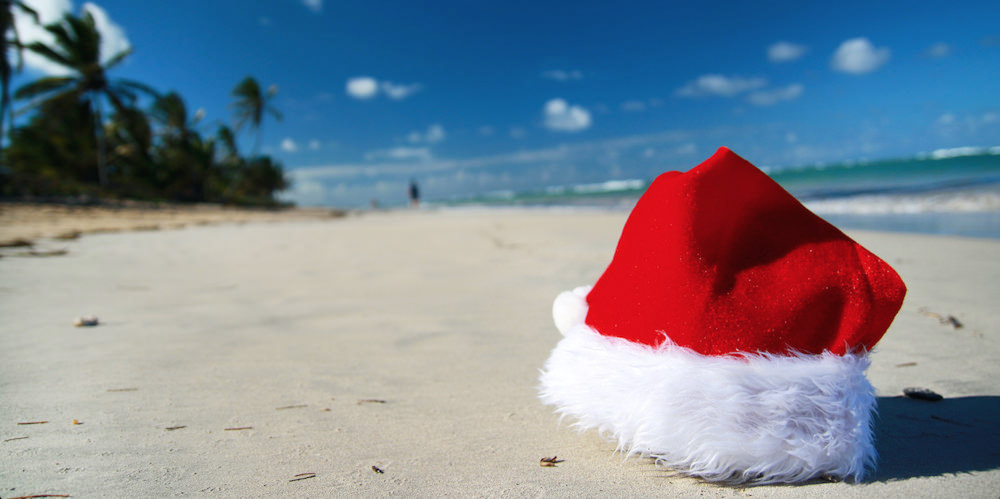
x=724 y=151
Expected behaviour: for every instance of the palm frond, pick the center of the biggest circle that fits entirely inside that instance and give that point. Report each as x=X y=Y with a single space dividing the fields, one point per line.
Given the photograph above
x=117 y=58
x=79 y=38
x=122 y=93
x=170 y=110
x=228 y=140
x=27 y=10
x=88 y=38
x=62 y=38
x=50 y=54
x=138 y=86
x=247 y=89
x=43 y=86
x=116 y=100
x=273 y=111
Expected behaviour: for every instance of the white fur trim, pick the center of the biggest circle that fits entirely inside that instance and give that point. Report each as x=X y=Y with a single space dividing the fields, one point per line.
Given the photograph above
x=754 y=418
x=570 y=308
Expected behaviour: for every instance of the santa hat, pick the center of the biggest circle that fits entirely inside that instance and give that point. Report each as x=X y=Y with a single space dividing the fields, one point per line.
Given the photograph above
x=729 y=337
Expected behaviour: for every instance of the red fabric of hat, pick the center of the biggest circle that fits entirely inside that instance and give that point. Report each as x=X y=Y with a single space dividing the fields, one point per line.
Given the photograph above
x=722 y=260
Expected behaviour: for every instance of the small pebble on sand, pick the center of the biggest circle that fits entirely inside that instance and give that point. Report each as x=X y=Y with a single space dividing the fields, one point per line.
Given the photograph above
x=922 y=394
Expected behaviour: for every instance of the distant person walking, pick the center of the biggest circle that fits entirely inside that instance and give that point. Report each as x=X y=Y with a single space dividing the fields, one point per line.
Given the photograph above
x=414 y=194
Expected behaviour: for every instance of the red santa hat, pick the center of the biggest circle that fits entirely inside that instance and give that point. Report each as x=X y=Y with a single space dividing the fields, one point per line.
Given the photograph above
x=729 y=337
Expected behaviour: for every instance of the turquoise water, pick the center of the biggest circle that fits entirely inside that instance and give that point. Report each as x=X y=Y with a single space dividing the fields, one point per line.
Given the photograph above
x=890 y=177
x=955 y=192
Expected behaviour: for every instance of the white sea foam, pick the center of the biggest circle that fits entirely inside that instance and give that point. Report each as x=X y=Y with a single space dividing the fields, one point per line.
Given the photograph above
x=961 y=201
x=609 y=186
x=955 y=152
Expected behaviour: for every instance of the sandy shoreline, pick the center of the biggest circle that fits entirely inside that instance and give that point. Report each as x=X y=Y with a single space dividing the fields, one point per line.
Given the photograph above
x=36 y=222
x=298 y=330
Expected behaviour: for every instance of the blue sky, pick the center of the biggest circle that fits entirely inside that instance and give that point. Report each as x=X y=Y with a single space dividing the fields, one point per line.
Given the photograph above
x=470 y=97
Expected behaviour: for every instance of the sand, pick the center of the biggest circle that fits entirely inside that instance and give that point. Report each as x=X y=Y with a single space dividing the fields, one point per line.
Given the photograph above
x=409 y=342
x=37 y=223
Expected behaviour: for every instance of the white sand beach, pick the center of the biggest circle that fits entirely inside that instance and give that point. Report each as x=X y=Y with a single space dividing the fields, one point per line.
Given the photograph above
x=298 y=358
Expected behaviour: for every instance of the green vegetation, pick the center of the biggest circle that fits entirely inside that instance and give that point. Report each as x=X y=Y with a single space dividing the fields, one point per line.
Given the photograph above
x=6 y=44
x=251 y=104
x=69 y=147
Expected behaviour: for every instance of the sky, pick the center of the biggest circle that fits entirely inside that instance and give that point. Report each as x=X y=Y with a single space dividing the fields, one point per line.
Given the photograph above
x=472 y=97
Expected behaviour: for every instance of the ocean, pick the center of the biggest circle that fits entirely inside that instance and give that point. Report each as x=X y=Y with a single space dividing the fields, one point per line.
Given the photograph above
x=947 y=191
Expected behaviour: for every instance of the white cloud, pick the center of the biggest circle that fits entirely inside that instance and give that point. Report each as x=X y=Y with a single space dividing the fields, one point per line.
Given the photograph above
x=49 y=12
x=938 y=50
x=791 y=137
x=362 y=87
x=264 y=21
x=562 y=164
x=517 y=133
x=313 y=145
x=859 y=56
x=562 y=75
x=785 y=52
x=562 y=117
x=713 y=84
x=687 y=149
x=306 y=192
x=313 y=5
x=366 y=87
x=400 y=153
x=665 y=144
x=400 y=91
x=633 y=105
x=486 y=130
x=434 y=134
x=967 y=123
x=289 y=145
x=776 y=95
x=113 y=38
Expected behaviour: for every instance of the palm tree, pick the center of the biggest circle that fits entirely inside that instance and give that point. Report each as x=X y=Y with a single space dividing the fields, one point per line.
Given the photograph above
x=170 y=111
x=251 y=104
x=186 y=158
x=226 y=137
x=129 y=137
x=77 y=48
x=6 y=70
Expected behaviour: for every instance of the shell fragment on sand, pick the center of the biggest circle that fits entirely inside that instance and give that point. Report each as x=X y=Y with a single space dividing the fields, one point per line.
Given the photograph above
x=86 y=321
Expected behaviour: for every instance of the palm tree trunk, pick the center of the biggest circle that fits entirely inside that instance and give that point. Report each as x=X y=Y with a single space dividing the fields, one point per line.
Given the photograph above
x=6 y=112
x=256 y=142
x=5 y=75
x=102 y=175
